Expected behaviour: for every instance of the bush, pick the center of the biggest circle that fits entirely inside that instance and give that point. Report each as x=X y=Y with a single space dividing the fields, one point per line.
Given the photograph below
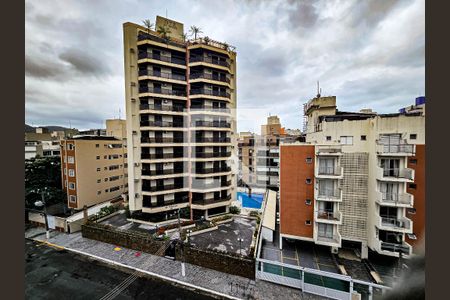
x=254 y=214
x=235 y=210
x=221 y=218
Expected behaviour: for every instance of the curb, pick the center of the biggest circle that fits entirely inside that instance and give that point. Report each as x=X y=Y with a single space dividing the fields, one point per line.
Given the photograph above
x=162 y=277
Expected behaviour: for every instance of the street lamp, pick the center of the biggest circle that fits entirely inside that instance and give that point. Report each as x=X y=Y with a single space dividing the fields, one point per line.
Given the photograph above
x=189 y=236
x=240 y=245
x=40 y=204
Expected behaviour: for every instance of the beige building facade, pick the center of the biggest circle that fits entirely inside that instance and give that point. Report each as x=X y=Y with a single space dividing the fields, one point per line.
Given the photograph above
x=181 y=122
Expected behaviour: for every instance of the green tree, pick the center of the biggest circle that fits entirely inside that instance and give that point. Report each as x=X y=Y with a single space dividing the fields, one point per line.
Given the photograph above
x=148 y=24
x=164 y=32
x=43 y=175
x=195 y=31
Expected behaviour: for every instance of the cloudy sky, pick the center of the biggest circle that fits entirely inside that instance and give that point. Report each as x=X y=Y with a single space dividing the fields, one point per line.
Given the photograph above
x=370 y=54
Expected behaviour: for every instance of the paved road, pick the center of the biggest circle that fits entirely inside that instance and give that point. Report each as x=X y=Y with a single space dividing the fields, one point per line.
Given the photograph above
x=57 y=274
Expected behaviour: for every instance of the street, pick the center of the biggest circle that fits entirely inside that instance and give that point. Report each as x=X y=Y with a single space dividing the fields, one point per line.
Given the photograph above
x=51 y=273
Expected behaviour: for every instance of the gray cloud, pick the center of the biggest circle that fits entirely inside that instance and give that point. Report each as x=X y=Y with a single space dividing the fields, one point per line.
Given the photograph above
x=367 y=53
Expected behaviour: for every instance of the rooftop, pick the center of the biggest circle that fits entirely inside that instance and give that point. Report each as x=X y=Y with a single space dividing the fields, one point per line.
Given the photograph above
x=94 y=137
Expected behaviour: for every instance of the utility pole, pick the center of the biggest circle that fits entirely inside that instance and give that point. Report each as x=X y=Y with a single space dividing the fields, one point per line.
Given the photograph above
x=183 y=267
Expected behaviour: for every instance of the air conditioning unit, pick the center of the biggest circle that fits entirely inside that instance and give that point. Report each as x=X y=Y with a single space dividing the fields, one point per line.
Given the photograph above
x=136 y=164
x=334 y=250
x=136 y=195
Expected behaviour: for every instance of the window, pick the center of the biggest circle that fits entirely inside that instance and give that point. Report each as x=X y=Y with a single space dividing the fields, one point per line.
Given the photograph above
x=308 y=160
x=73 y=198
x=98 y=157
x=347 y=140
x=113 y=189
x=70 y=159
x=328 y=138
x=413 y=136
x=412 y=186
x=99 y=192
x=113 y=156
x=106 y=168
x=97 y=145
x=71 y=173
x=308 y=201
x=105 y=157
x=65 y=171
x=98 y=169
x=363 y=138
x=71 y=186
x=308 y=222
x=115 y=167
x=106 y=179
x=413 y=161
x=70 y=147
x=106 y=190
x=99 y=180
x=113 y=178
x=325 y=230
x=411 y=210
x=308 y=180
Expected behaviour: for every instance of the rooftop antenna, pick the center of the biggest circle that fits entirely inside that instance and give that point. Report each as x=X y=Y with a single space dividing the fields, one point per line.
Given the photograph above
x=318 y=90
x=119 y=113
x=166 y=13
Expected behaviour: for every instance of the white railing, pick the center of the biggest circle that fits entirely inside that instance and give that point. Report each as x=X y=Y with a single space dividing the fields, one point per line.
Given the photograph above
x=396 y=223
x=403 y=148
x=329 y=149
x=335 y=216
x=396 y=173
x=395 y=198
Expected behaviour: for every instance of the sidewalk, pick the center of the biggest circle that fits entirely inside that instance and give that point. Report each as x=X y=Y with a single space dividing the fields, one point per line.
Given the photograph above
x=227 y=285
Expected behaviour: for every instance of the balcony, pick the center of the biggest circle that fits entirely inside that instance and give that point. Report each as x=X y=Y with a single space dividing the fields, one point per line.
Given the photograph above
x=161 y=124
x=162 y=172
x=329 y=150
x=146 y=89
x=332 y=241
x=393 y=249
x=161 y=155
x=395 y=199
x=213 y=170
x=395 y=224
x=161 y=140
x=210 y=93
x=396 y=175
x=215 y=124
x=328 y=217
x=167 y=187
x=329 y=172
x=145 y=36
x=201 y=185
x=209 y=77
x=168 y=59
x=162 y=75
x=208 y=201
x=208 y=60
x=212 y=140
x=402 y=149
x=161 y=107
x=212 y=154
x=212 y=109
x=329 y=195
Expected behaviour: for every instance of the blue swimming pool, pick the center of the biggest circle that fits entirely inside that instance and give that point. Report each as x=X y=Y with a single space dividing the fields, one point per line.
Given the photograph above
x=254 y=202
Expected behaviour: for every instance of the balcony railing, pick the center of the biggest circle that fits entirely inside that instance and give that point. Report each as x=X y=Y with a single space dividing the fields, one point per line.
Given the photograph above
x=145 y=36
x=329 y=149
x=215 y=184
x=161 y=107
x=161 y=155
x=208 y=60
x=210 y=93
x=395 y=198
x=162 y=172
x=210 y=108
x=210 y=200
x=177 y=200
x=161 y=140
x=166 y=187
x=329 y=193
x=334 y=239
x=403 y=248
x=401 y=173
x=162 y=75
x=212 y=154
x=146 y=89
x=212 y=140
x=169 y=59
x=161 y=124
x=210 y=77
x=330 y=216
x=216 y=124
x=401 y=223
x=401 y=148
x=213 y=170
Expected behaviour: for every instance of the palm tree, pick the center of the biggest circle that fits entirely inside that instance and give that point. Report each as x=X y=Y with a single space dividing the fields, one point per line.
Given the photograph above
x=148 y=24
x=206 y=40
x=226 y=46
x=164 y=32
x=195 y=30
x=184 y=36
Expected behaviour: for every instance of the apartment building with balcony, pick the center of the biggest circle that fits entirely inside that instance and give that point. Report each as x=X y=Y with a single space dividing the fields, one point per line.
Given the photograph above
x=180 y=108
x=246 y=157
x=93 y=170
x=367 y=181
